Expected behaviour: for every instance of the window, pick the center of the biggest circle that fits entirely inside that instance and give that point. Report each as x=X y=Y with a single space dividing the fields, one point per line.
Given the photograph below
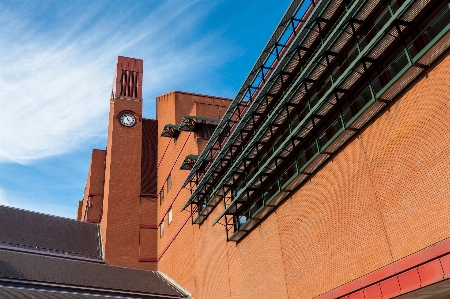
x=169 y=181
x=161 y=196
x=239 y=220
x=208 y=130
x=237 y=192
x=170 y=215
x=205 y=131
x=161 y=228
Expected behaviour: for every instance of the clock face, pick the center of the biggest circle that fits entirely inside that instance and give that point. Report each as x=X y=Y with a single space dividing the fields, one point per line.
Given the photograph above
x=127 y=119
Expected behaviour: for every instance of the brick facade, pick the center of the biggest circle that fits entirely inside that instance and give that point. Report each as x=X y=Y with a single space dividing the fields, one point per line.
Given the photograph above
x=382 y=197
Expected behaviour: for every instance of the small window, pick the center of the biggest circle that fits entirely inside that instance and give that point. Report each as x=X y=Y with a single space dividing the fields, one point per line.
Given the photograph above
x=169 y=181
x=205 y=131
x=208 y=130
x=161 y=227
x=239 y=220
x=237 y=192
x=161 y=195
x=170 y=215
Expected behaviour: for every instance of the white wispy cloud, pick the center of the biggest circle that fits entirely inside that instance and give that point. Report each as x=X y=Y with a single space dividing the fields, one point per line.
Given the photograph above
x=55 y=78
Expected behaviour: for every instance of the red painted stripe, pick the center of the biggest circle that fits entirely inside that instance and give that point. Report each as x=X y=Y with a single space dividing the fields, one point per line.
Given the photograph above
x=168 y=143
x=175 y=162
x=154 y=260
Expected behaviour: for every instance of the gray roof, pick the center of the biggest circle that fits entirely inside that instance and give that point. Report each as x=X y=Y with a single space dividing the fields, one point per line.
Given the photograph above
x=38 y=231
x=68 y=275
x=22 y=293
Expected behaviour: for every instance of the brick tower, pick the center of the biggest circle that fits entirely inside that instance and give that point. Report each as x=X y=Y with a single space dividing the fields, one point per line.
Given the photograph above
x=120 y=220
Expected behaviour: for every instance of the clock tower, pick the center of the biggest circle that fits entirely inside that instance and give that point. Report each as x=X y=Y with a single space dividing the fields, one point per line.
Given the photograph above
x=121 y=203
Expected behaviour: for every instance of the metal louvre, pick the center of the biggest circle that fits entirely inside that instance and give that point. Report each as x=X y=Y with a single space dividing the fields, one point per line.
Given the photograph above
x=436 y=50
x=292 y=64
x=311 y=37
x=331 y=9
x=401 y=83
x=320 y=108
x=367 y=9
x=298 y=96
x=304 y=131
x=351 y=80
x=367 y=115
x=382 y=46
x=317 y=72
x=339 y=141
x=415 y=9
x=342 y=41
x=326 y=107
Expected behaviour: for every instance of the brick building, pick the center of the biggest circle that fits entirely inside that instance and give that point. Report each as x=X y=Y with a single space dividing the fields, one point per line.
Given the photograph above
x=325 y=177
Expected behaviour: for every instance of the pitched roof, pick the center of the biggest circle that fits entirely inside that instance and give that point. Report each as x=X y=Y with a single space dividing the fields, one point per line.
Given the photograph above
x=37 y=231
x=21 y=293
x=67 y=275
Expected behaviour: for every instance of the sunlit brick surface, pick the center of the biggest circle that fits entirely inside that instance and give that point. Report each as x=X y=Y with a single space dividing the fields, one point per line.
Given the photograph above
x=91 y=207
x=383 y=196
x=121 y=205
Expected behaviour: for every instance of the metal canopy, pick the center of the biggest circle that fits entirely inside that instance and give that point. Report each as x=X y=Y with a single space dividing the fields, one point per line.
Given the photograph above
x=189 y=161
x=189 y=123
x=170 y=131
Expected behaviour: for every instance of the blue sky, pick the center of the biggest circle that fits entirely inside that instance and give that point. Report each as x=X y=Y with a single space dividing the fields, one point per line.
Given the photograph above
x=57 y=62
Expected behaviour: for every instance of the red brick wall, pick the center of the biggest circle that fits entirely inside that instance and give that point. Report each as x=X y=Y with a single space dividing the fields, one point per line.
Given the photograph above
x=121 y=209
x=384 y=196
x=79 y=211
x=93 y=192
x=171 y=154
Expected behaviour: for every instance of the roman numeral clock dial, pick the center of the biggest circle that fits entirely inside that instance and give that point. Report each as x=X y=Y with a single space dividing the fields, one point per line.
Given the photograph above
x=127 y=119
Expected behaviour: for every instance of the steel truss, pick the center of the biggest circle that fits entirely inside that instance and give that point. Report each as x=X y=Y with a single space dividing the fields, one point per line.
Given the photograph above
x=319 y=110
x=248 y=101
